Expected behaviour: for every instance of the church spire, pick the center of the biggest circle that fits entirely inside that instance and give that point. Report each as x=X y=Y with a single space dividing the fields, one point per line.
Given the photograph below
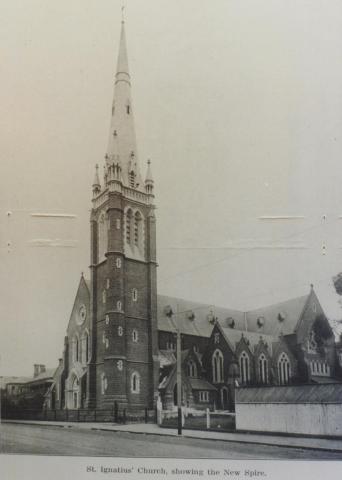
x=96 y=182
x=122 y=149
x=149 y=179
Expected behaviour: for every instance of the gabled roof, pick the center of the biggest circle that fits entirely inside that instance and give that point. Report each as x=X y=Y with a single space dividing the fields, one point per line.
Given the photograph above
x=88 y=283
x=200 y=325
x=48 y=374
x=278 y=318
x=166 y=358
x=234 y=337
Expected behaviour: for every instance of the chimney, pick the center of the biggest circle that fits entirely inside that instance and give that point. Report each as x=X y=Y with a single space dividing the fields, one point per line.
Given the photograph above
x=60 y=362
x=42 y=368
x=35 y=370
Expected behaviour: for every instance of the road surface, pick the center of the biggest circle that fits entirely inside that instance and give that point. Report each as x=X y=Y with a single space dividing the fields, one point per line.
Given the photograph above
x=48 y=440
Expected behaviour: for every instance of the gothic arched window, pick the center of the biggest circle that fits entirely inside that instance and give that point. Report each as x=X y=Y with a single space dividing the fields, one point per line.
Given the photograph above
x=129 y=217
x=244 y=368
x=104 y=384
x=263 y=371
x=75 y=391
x=217 y=365
x=137 y=229
x=75 y=349
x=84 y=357
x=192 y=369
x=312 y=344
x=284 y=369
x=135 y=382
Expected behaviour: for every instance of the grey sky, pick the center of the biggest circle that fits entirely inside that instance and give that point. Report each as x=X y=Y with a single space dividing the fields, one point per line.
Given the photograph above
x=238 y=105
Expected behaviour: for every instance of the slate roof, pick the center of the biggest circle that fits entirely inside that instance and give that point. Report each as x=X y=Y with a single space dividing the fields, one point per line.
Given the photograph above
x=200 y=384
x=200 y=325
x=166 y=357
x=327 y=393
x=278 y=318
x=13 y=380
x=234 y=336
x=291 y=310
x=48 y=374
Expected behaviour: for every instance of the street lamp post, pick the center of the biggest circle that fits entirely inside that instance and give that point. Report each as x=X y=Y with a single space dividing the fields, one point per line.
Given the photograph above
x=171 y=314
x=179 y=374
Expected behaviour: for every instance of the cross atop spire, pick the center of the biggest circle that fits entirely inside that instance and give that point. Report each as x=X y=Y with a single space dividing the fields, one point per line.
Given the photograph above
x=122 y=146
x=122 y=71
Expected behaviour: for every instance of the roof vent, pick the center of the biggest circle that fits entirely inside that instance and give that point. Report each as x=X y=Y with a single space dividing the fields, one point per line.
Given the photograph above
x=261 y=322
x=281 y=316
x=168 y=311
x=211 y=318
x=190 y=315
x=230 y=322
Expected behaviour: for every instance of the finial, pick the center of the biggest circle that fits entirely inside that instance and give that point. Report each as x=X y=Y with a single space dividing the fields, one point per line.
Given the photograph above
x=311 y=286
x=122 y=13
x=82 y=274
x=96 y=182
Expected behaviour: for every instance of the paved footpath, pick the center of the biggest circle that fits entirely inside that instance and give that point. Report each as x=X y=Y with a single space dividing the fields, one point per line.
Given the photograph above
x=153 y=429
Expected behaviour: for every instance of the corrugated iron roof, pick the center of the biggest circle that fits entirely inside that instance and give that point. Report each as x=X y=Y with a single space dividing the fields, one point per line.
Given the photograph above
x=328 y=393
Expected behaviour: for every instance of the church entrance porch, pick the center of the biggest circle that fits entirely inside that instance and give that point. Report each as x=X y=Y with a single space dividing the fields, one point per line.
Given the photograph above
x=75 y=389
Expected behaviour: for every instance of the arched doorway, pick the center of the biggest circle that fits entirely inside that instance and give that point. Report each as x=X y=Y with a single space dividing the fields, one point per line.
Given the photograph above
x=74 y=398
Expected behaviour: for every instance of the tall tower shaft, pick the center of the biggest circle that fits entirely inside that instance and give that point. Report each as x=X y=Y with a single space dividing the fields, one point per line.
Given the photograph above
x=123 y=265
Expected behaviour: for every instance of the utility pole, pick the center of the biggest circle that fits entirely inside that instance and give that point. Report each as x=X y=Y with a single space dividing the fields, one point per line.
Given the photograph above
x=179 y=363
x=179 y=374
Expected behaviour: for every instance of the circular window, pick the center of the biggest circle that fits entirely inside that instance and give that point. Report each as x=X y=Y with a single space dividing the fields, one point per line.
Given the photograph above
x=82 y=315
x=120 y=331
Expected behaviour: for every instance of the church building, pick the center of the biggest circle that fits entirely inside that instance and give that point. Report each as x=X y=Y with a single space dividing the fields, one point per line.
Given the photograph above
x=120 y=344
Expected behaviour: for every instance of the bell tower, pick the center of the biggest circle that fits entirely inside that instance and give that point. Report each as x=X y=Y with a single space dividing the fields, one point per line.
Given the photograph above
x=125 y=368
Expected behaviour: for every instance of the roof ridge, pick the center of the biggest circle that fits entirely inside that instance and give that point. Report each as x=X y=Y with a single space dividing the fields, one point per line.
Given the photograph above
x=278 y=303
